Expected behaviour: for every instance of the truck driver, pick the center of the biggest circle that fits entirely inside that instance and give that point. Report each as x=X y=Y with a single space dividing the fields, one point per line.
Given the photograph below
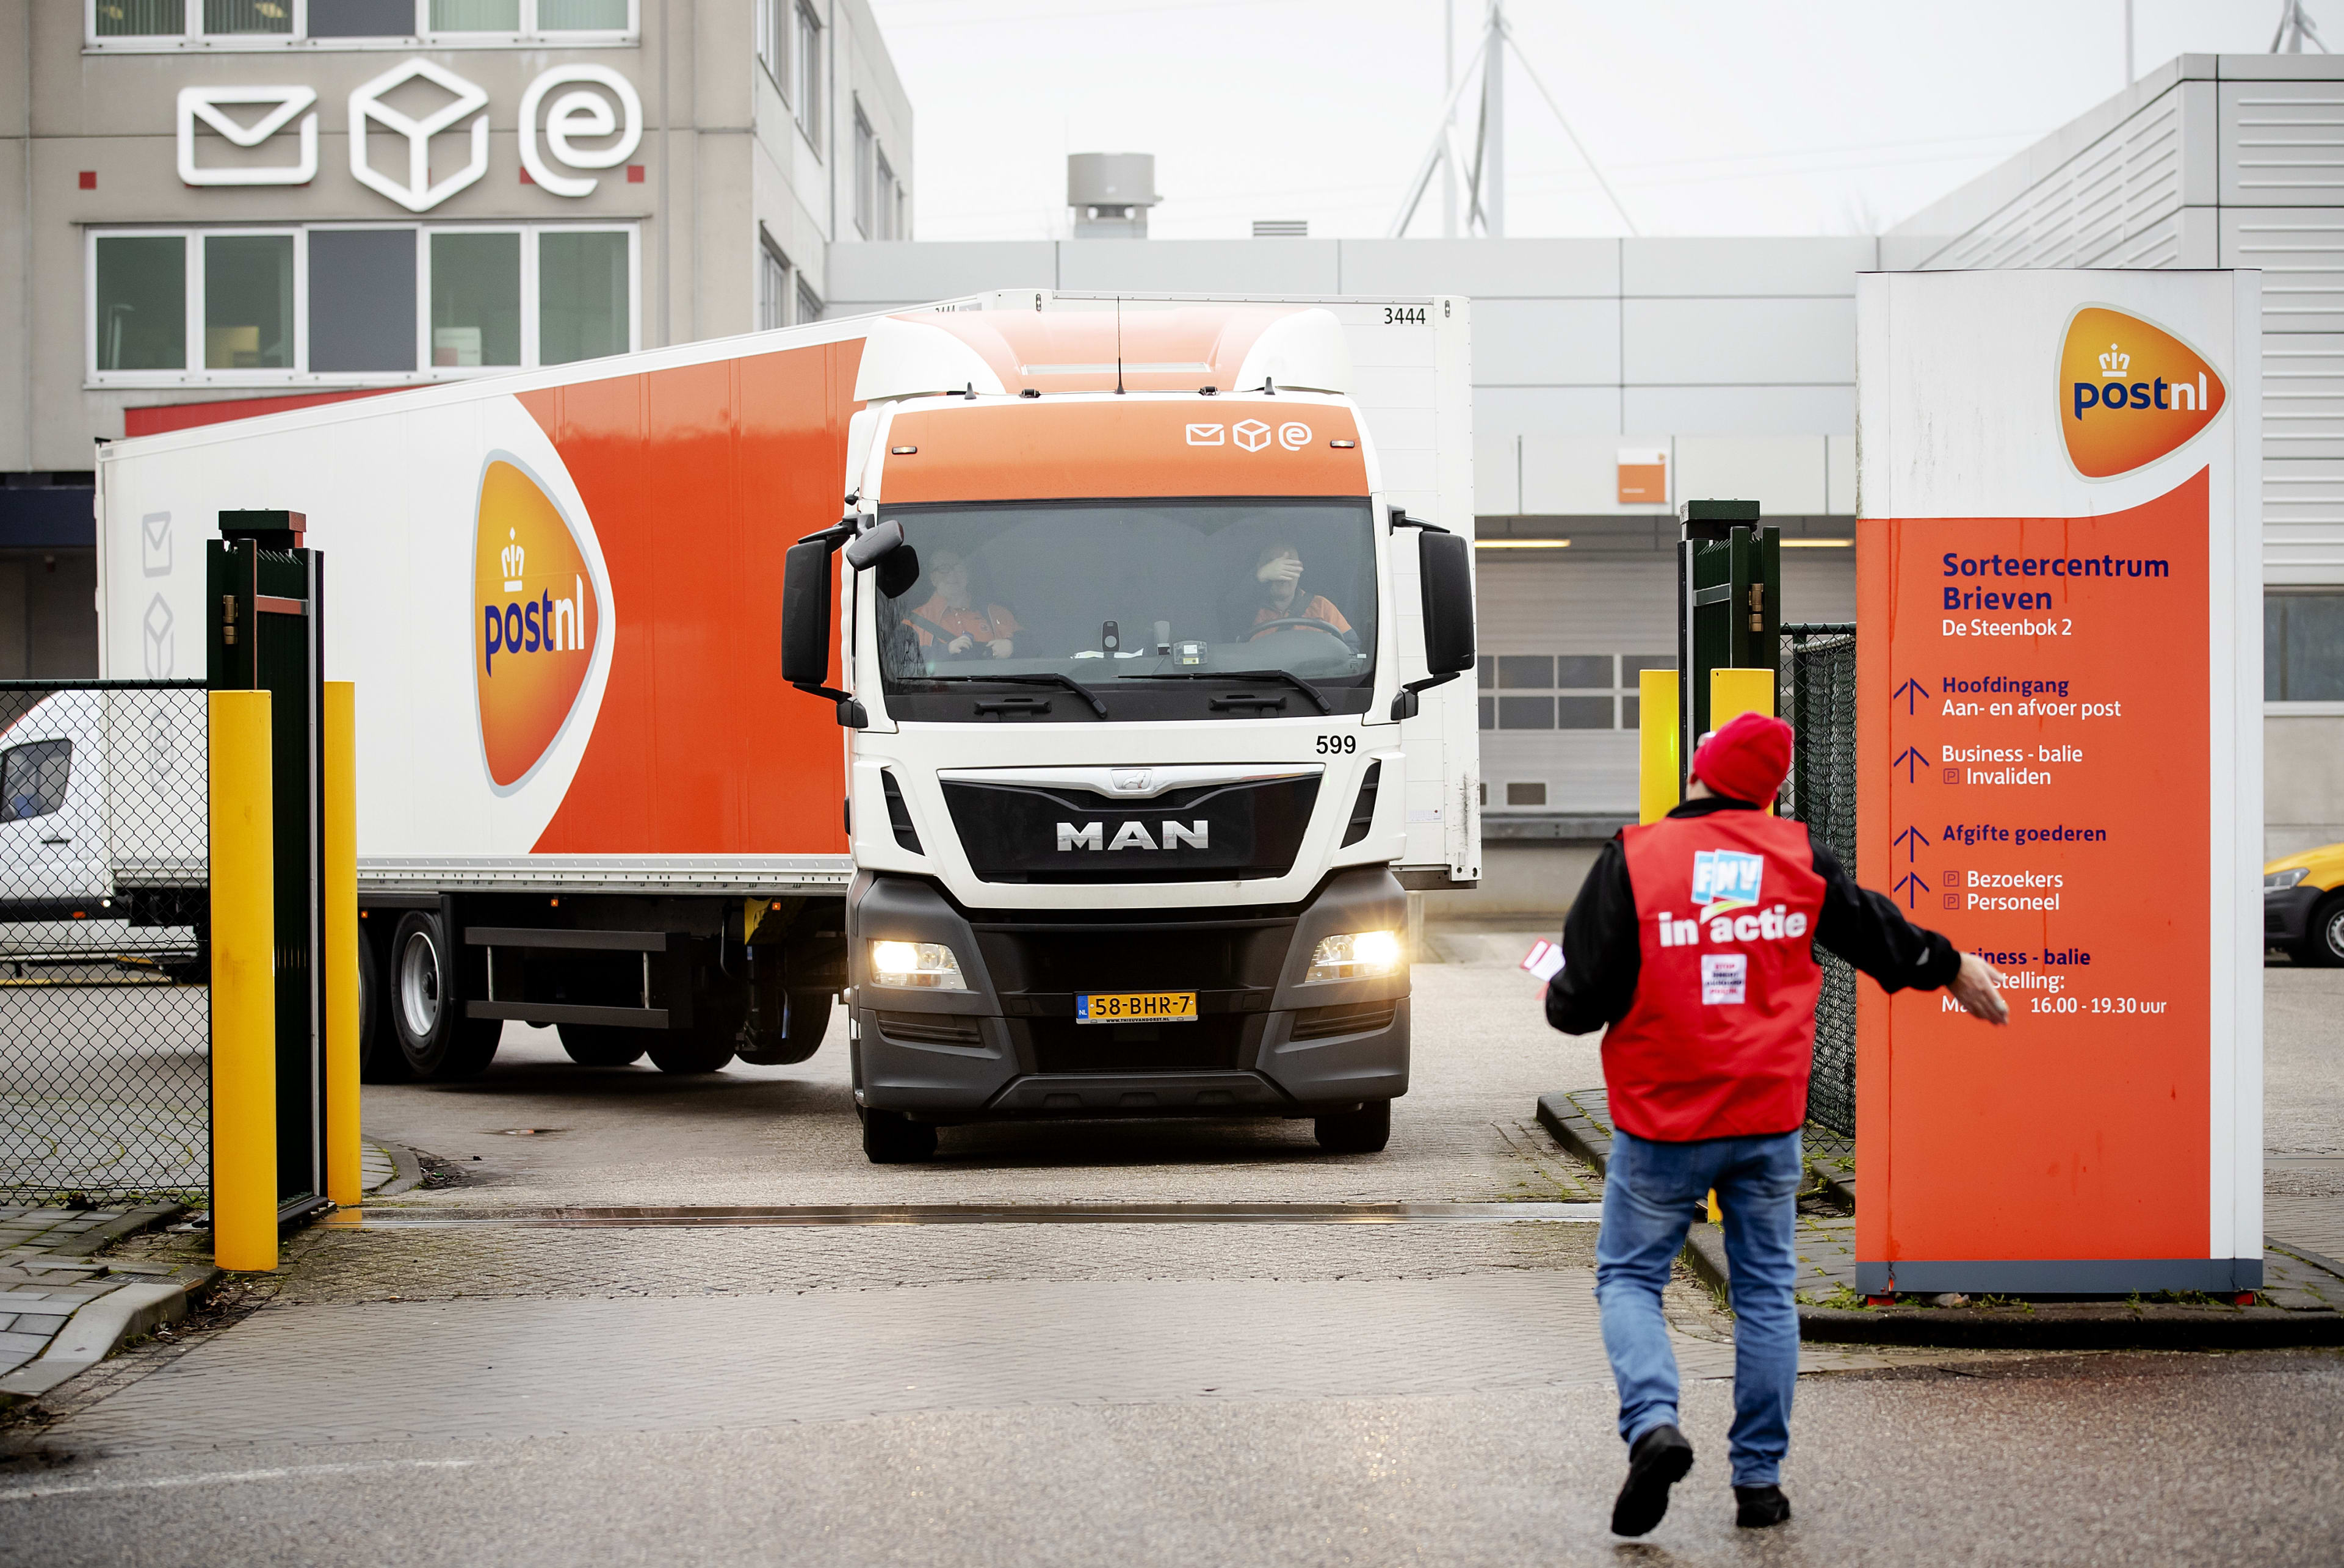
x=949 y=620
x=1273 y=594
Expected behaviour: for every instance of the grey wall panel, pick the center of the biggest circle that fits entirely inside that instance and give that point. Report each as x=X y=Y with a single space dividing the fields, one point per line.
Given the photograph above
x=1546 y=342
x=1753 y=411
x=1745 y=266
x=1729 y=342
x=1199 y=265
x=937 y=269
x=362 y=299
x=1554 y=411
x=1520 y=269
x=2282 y=144
x=2300 y=251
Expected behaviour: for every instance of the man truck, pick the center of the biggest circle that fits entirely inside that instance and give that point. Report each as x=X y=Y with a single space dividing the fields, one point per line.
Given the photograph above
x=1067 y=682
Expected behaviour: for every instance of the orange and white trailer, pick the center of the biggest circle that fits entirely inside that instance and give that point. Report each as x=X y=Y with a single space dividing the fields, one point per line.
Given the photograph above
x=1099 y=772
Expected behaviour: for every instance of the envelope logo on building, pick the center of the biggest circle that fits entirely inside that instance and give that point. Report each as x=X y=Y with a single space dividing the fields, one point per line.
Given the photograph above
x=535 y=621
x=208 y=105
x=418 y=192
x=2129 y=392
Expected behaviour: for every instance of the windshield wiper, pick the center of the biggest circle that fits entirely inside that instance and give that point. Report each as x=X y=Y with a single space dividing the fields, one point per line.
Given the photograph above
x=1287 y=676
x=1067 y=682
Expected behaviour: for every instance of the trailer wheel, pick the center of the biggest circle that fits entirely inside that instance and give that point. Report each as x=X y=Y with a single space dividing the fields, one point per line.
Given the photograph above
x=1362 y=1132
x=689 y=1051
x=427 y=1007
x=599 y=1046
x=380 y=1061
x=891 y=1137
x=800 y=1034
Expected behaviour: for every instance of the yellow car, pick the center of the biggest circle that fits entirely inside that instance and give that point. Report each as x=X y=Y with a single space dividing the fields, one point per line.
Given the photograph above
x=2303 y=904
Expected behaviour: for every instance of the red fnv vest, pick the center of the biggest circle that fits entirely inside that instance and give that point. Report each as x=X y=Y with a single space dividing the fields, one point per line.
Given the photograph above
x=1719 y=1039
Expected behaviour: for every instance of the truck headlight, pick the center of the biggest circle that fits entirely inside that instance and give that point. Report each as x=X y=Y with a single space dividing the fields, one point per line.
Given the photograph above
x=2278 y=879
x=927 y=965
x=1355 y=955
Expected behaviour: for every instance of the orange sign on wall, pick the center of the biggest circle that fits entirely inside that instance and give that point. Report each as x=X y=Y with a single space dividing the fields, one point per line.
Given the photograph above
x=2039 y=787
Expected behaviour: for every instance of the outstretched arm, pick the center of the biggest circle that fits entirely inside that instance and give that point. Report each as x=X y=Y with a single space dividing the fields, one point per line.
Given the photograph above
x=1869 y=931
x=1600 y=956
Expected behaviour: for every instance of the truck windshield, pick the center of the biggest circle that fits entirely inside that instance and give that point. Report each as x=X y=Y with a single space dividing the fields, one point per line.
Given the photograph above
x=1162 y=609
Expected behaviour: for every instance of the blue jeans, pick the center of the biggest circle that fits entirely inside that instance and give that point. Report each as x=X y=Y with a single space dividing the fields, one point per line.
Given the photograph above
x=1651 y=1192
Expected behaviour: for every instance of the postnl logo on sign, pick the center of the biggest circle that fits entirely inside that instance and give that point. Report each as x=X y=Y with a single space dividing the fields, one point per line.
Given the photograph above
x=534 y=619
x=2129 y=392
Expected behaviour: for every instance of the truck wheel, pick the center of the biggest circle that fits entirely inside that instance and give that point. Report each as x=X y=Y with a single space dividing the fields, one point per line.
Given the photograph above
x=2323 y=939
x=380 y=1061
x=891 y=1137
x=800 y=1034
x=427 y=1007
x=1362 y=1132
x=599 y=1046
x=687 y=1051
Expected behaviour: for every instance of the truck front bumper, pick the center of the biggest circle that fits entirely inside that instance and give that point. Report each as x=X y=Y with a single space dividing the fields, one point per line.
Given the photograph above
x=1265 y=1042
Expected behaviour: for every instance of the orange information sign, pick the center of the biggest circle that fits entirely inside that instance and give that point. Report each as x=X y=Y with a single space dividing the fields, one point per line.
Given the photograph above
x=2060 y=740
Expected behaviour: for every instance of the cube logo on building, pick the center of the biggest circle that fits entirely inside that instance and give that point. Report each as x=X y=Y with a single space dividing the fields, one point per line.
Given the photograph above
x=534 y=620
x=2129 y=392
x=1726 y=878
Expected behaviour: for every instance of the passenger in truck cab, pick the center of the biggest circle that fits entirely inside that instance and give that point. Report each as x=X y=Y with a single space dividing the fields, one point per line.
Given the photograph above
x=1273 y=592
x=951 y=623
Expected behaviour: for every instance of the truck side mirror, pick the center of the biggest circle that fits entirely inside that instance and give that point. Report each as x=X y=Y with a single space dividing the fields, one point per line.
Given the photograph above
x=805 y=613
x=1444 y=569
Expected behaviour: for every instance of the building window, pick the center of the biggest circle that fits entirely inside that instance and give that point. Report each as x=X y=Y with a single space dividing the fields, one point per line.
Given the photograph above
x=1564 y=691
x=773 y=288
x=867 y=177
x=248 y=305
x=242 y=23
x=139 y=302
x=809 y=303
x=883 y=186
x=806 y=85
x=583 y=288
x=356 y=304
x=773 y=42
x=2303 y=647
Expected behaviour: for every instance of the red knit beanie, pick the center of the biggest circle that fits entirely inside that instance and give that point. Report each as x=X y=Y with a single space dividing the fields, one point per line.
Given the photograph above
x=1747 y=759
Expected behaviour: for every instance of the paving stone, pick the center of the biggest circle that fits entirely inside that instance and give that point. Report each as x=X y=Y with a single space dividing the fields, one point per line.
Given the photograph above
x=23 y=1344
x=36 y=1324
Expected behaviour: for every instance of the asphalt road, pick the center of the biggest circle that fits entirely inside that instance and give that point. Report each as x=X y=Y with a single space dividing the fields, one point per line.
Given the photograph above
x=439 y=1386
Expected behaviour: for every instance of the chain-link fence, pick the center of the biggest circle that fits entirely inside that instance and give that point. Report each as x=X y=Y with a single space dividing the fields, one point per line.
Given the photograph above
x=104 y=998
x=1818 y=696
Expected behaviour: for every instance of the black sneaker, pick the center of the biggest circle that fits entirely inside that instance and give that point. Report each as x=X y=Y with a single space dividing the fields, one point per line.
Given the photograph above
x=1760 y=1507
x=1658 y=1461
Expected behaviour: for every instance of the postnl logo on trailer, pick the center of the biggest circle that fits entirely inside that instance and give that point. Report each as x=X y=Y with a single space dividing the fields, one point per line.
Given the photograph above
x=534 y=620
x=2129 y=392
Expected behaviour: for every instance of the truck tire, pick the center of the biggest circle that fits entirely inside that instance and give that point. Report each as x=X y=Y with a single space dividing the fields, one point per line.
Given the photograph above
x=800 y=1034
x=891 y=1137
x=427 y=1007
x=2323 y=938
x=599 y=1046
x=380 y=1061
x=689 y=1051
x=1362 y=1132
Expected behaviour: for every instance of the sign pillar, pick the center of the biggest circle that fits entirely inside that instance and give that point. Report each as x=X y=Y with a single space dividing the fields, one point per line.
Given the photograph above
x=2059 y=696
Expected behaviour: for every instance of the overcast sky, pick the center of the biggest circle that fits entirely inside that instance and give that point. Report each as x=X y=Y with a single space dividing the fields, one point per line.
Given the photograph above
x=1766 y=117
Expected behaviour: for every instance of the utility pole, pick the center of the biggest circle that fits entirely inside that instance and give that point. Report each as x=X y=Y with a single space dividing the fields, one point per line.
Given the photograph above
x=1493 y=124
x=1448 y=145
x=2129 y=75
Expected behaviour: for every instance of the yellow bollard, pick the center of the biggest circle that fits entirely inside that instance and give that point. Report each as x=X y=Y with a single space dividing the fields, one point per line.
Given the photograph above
x=1658 y=770
x=344 y=1185
x=1734 y=693
x=244 y=984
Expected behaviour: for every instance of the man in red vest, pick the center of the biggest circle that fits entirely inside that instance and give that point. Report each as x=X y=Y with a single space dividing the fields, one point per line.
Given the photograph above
x=1693 y=945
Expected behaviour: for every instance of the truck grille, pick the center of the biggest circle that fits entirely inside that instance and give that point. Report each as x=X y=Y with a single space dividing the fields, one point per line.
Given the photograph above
x=1213 y=833
x=931 y=1029
x=1351 y=1018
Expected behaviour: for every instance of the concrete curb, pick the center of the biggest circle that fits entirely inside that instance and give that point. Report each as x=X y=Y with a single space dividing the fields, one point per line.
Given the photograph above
x=407 y=1172
x=2078 y=1326
x=100 y=1328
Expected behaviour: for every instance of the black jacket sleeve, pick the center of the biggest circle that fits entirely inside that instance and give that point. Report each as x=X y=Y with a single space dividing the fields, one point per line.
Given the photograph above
x=1600 y=954
x=1867 y=929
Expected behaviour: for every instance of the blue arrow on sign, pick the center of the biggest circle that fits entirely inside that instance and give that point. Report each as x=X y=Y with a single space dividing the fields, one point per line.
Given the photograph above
x=1912 y=888
x=1912 y=760
x=1910 y=691
x=1912 y=848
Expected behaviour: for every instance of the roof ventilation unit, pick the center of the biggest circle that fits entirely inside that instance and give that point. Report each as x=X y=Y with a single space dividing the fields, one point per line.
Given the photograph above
x=1111 y=193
